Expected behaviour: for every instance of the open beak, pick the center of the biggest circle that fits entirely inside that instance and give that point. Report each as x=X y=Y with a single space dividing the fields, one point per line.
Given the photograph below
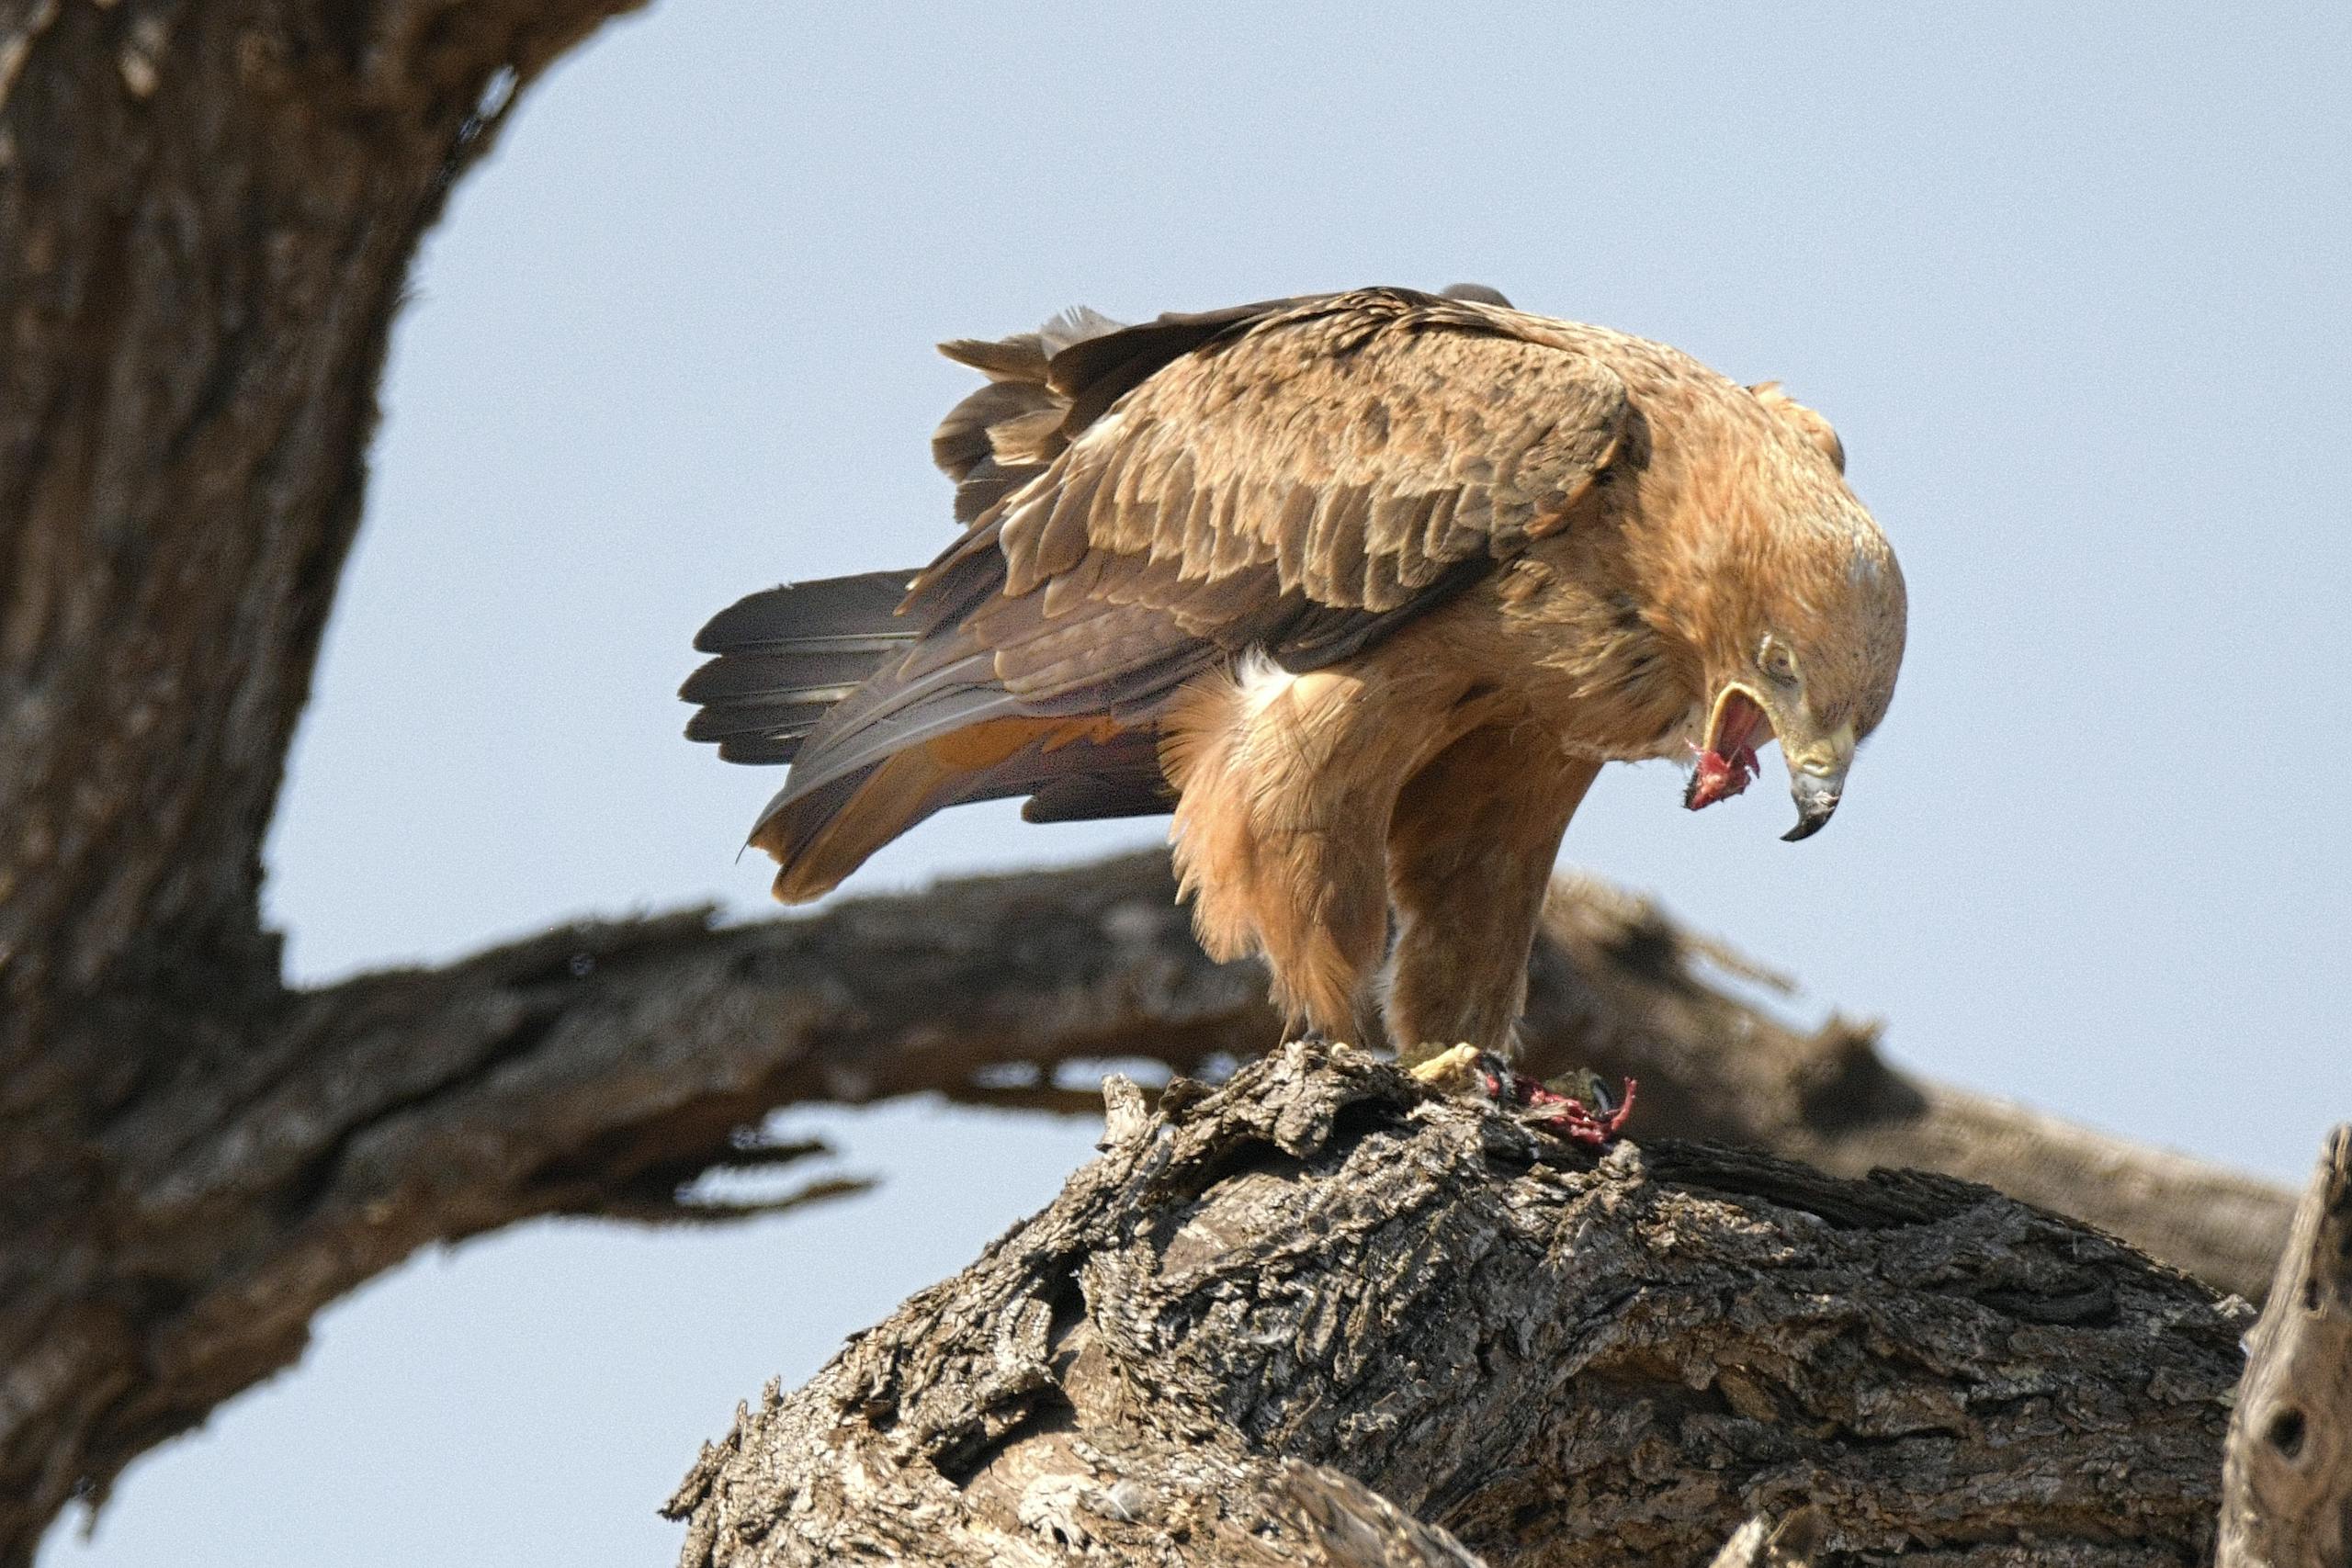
x=1744 y=720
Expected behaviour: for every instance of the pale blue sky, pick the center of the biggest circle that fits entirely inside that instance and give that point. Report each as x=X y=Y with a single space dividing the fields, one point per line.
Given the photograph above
x=2070 y=280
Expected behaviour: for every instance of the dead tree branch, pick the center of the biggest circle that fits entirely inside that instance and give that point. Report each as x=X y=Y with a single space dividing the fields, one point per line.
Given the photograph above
x=2287 y=1480
x=1556 y=1359
x=1621 y=988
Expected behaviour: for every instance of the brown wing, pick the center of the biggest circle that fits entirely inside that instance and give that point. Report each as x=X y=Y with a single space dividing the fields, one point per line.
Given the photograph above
x=1301 y=484
x=1300 y=477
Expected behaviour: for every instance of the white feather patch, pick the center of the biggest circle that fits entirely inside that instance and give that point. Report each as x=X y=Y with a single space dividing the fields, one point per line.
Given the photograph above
x=1262 y=682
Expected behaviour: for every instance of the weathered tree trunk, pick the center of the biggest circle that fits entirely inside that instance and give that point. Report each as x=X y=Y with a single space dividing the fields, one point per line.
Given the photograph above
x=1557 y=1358
x=207 y=213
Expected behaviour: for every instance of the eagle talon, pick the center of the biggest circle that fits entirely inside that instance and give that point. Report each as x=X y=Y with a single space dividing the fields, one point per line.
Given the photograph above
x=1454 y=1069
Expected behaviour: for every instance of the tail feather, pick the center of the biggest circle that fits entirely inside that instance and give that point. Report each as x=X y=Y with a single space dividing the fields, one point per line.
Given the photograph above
x=786 y=656
x=856 y=608
x=797 y=714
x=853 y=738
x=768 y=672
x=885 y=725
x=1072 y=771
x=886 y=718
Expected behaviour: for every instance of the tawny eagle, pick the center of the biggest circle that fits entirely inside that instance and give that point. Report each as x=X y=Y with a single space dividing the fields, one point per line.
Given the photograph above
x=1364 y=588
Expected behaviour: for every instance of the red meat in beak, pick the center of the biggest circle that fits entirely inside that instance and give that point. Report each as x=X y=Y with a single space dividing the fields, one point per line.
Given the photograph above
x=1727 y=764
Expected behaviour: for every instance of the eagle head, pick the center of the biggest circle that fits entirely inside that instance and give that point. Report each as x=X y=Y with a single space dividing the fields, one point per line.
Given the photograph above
x=1806 y=655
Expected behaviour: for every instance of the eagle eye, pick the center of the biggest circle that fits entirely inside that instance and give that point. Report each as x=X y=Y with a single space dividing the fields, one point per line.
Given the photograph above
x=1775 y=660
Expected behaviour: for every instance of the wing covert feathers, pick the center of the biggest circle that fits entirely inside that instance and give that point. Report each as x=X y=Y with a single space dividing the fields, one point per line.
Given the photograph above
x=1359 y=452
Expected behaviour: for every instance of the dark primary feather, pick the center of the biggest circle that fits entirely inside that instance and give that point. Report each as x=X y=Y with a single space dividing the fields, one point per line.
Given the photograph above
x=853 y=607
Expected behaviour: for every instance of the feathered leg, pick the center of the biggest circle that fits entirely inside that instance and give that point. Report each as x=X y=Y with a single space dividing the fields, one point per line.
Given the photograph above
x=1286 y=786
x=1470 y=852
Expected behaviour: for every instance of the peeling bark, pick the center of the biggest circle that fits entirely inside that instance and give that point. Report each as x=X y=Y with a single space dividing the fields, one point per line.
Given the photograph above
x=1555 y=1359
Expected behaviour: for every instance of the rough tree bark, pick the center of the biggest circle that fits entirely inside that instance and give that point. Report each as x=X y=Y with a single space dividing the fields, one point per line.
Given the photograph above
x=207 y=214
x=1558 y=1358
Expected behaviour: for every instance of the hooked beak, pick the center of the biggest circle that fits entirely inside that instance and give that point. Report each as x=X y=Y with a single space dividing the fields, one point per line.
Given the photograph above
x=1816 y=777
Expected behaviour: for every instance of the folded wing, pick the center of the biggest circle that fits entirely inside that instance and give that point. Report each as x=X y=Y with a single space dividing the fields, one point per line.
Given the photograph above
x=1299 y=476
